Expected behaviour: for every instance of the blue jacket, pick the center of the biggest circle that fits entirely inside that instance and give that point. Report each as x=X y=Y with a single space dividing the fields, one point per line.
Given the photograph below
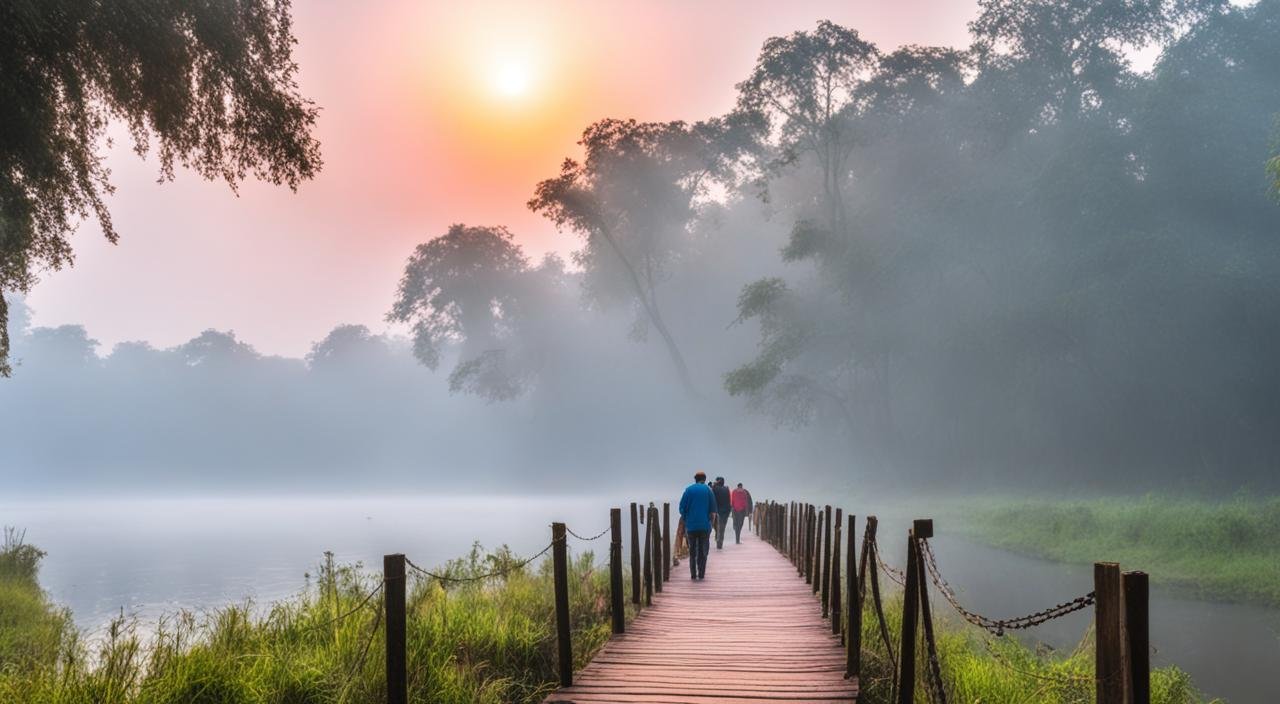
x=696 y=506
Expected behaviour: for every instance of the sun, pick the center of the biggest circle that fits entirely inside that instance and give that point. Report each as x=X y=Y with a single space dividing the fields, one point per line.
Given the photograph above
x=511 y=78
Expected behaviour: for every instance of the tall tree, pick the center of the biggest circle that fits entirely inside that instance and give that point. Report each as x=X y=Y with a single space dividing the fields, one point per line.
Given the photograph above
x=632 y=199
x=473 y=288
x=210 y=86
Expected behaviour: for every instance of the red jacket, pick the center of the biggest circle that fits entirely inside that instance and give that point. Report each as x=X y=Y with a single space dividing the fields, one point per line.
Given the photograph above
x=740 y=499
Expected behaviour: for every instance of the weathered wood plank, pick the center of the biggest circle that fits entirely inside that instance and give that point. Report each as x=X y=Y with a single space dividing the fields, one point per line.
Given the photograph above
x=750 y=632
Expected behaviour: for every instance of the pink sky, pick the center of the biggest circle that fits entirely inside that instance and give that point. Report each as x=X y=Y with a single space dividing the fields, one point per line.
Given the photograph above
x=416 y=135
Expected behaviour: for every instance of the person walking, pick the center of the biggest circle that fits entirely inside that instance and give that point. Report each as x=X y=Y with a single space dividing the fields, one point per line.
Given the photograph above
x=697 y=507
x=740 y=499
x=724 y=508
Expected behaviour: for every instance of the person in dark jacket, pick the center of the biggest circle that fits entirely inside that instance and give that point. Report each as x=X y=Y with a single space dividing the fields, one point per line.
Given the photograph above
x=724 y=509
x=741 y=502
x=697 y=509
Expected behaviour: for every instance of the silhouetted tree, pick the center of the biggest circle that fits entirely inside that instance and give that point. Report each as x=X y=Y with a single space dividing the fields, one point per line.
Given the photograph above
x=631 y=199
x=209 y=85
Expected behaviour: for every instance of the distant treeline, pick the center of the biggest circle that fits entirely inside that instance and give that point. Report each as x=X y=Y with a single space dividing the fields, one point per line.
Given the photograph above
x=1018 y=260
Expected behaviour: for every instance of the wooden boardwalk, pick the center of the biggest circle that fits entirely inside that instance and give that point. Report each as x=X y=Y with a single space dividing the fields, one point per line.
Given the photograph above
x=752 y=631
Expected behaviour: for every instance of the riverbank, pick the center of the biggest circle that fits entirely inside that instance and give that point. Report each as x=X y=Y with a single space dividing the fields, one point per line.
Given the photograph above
x=486 y=641
x=1221 y=550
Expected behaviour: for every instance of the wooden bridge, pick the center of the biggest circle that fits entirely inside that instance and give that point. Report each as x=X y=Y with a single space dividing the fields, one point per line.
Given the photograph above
x=752 y=631
x=767 y=623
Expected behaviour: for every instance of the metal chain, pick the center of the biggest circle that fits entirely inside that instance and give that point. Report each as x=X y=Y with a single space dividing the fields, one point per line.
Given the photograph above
x=364 y=654
x=363 y=603
x=999 y=626
x=893 y=573
x=597 y=536
x=479 y=578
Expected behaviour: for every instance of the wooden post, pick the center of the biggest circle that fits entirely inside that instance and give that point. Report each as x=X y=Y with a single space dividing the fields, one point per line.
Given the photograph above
x=1136 y=626
x=910 y=615
x=635 y=555
x=658 y=555
x=560 y=570
x=648 y=565
x=1109 y=612
x=834 y=579
x=817 y=552
x=615 y=571
x=868 y=536
x=853 y=629
x=826 y=561
x=393 y=599
x=666 y=541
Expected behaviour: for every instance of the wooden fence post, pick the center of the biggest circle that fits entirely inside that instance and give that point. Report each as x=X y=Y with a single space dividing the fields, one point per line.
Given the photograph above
x=394 y=604
x=648 y=565
x=868 y=537
x=666 y=541
x=615 y=571
x=658 y=555
x=817 y=552
x=560 y=569
x=910 y=614
x=1109 y=667
x=826 y=561
x=635 y=555
x=1136 y=625
x=834 y=580
x=853 y=629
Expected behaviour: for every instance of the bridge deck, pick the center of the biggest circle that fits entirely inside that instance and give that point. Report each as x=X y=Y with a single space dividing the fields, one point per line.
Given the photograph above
x=750 y=632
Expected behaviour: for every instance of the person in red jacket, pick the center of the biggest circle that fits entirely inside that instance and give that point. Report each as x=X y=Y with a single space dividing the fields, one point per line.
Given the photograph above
x=740 y=499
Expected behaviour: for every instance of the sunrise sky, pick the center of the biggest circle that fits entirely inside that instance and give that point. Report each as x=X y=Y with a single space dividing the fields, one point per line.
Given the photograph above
x=432 y=113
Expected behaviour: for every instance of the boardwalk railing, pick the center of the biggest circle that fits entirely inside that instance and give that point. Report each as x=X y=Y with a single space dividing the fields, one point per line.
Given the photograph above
x=811 y=537
x=808 y=536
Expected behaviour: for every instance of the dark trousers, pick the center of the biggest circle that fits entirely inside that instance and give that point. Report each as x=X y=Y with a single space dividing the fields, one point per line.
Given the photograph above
x=699 y=546
x=722 y=527
x=738 y=518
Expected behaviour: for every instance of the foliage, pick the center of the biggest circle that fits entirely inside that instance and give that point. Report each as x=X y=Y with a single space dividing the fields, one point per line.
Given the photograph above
x=209 y=85
x=1212 y=549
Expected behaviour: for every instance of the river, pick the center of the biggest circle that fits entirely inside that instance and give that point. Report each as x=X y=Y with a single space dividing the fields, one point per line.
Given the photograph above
x=147 y=557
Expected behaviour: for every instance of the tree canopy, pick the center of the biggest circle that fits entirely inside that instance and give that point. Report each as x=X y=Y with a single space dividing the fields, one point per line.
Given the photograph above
x=207 y=86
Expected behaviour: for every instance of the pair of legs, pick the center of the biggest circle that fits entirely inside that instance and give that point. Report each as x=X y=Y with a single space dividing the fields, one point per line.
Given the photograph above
x=738 y=518
x=722 y=527
x=699 y=545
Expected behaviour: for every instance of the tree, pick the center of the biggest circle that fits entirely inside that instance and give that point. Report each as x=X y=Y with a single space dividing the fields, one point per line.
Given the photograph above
x=805 y=85
x=631 y=200
x=468 y=287
x=209 y=86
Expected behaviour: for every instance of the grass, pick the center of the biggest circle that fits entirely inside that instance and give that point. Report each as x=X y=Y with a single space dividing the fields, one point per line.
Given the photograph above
x=977 y=667
x=484 y=642
x=1224 y=550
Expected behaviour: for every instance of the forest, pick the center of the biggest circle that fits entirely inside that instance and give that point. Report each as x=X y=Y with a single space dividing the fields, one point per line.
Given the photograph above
x=1021 y=259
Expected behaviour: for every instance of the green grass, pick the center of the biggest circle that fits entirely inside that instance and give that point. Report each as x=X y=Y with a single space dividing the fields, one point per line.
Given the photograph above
x=977 y=667
x=485 y=642
x=1225 y=550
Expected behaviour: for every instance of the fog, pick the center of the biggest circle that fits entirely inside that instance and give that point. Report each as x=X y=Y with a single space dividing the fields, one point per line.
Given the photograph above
x=1015 y=265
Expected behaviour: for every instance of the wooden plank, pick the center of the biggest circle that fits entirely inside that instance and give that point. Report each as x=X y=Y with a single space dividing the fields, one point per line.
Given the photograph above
x=752 y=631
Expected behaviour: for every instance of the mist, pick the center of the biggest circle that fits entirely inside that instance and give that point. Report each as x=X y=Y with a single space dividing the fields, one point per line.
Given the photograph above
x=1019 y=264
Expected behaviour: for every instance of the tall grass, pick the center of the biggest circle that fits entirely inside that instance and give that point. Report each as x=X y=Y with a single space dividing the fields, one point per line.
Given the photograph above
x=483 y=642
x=977 y=667
x=1211 y=549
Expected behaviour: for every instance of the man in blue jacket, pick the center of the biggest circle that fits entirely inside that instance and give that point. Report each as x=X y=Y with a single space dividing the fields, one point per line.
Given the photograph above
x=697 y=506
